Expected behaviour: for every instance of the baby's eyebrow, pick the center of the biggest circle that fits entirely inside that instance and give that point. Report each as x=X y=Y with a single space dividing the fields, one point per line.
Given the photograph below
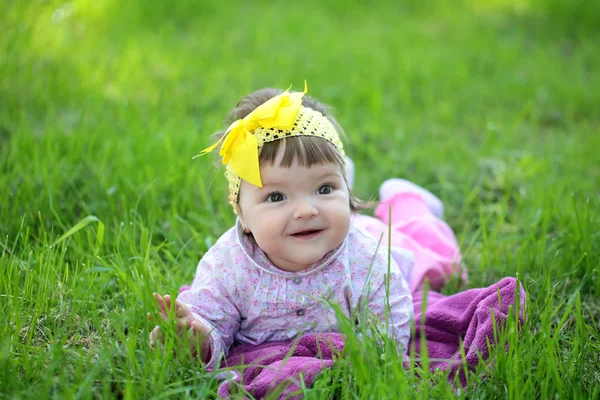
x=328 y=175
x=273 y=183
x=284 y=183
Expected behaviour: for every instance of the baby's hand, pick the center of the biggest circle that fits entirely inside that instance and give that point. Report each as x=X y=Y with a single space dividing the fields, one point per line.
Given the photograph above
x=196 y=331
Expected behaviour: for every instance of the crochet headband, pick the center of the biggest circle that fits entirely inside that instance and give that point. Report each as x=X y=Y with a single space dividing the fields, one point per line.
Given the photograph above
x=278 y=118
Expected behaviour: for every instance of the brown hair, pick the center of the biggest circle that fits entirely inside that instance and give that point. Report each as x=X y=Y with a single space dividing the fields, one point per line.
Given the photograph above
x=308 y=150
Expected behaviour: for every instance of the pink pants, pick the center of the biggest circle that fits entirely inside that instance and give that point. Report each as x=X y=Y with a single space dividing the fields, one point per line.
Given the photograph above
x=415 y=229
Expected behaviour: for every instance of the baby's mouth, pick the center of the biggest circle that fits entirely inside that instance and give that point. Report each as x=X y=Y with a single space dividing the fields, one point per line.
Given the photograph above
x=309 y=233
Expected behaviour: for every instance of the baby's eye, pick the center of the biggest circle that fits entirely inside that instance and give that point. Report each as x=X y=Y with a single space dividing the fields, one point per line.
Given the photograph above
x=275 y=197
x=325 y=189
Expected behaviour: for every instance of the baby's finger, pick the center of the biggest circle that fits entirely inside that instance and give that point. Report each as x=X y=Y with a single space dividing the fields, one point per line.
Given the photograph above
x=183 y=323
x=161 y=303
x=182 y=310
x=162 y=314
x=155 y=336
x=149 y=317
x=195 y=342
x=167 y=299
x=200 y=329
x=199 y=340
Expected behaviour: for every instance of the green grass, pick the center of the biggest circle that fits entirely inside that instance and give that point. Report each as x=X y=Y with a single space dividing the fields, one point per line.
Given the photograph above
x=493 y=105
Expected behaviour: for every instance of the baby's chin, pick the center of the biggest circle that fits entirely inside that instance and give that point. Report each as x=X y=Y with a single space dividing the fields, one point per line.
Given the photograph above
x=308 y=261
x=295 y=264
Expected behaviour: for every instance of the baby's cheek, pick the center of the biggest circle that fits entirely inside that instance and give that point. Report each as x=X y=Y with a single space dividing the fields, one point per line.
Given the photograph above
x=268 y=243
x=342 y=219
x=277 y=247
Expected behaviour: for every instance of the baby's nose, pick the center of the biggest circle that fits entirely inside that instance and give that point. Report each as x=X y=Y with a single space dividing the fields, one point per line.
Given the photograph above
x=305 y=209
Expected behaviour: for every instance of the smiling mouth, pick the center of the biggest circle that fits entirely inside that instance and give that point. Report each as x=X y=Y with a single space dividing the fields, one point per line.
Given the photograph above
x=308 y=234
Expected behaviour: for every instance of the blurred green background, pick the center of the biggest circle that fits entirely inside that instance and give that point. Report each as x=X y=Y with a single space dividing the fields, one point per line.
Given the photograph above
x=492 y=105
x=105 y=102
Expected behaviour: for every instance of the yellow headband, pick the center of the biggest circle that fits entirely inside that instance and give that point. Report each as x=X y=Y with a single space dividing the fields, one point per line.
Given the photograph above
x=278 y=118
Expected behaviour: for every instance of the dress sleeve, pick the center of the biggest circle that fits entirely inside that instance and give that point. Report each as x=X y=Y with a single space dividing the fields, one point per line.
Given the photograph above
x=400 y=312
x=212 y=300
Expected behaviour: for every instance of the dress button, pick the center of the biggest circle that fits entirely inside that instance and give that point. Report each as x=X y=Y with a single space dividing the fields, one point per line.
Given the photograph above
x=300 y=313
x=297 y=280
x=301 y=299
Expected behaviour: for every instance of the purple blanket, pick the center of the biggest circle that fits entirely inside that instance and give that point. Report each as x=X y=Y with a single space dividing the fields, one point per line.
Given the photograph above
x=465 y=316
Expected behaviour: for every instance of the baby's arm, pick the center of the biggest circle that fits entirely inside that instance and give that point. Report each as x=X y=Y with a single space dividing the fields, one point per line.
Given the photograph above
x=197 y=334
x=398 y=297
x=212 y=302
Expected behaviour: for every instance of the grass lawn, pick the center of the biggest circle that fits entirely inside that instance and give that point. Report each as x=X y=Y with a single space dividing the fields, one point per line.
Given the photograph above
x=492 y=105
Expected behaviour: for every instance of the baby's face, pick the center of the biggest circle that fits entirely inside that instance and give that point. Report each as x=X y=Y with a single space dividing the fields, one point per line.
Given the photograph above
x=299 y=215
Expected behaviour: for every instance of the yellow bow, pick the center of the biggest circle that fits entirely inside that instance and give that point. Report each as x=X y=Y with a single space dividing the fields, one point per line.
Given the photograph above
x=240 y=148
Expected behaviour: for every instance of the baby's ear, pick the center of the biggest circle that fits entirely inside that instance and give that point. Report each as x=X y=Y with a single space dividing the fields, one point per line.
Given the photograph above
x=241 y=218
